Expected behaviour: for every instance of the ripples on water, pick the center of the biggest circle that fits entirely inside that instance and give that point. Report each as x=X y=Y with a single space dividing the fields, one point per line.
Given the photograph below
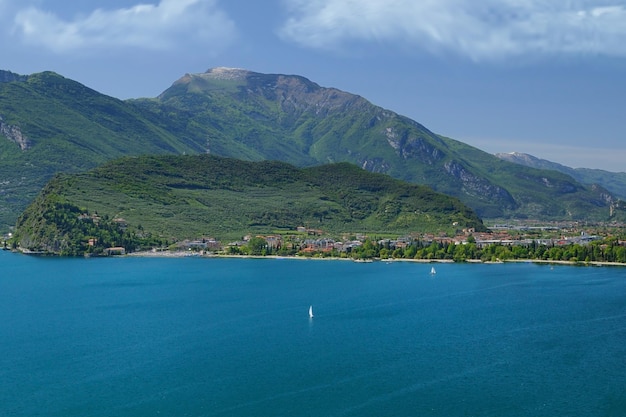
x=232 y=337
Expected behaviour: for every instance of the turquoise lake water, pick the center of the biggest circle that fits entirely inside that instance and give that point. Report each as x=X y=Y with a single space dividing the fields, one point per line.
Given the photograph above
x=232 y=337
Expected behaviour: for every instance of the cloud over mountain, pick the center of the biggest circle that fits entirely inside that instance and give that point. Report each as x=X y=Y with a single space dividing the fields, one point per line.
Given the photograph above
x=485 y=30
x=146 y=26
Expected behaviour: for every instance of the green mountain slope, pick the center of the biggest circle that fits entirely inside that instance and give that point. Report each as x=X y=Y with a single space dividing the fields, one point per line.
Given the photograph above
x=176 y=197
x=50 y=124
x=267 y=116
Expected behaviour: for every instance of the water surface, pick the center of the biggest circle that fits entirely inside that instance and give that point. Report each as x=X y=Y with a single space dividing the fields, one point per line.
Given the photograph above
x=232 y=337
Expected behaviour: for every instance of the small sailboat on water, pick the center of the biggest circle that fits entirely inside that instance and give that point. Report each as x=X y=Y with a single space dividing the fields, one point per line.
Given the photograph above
x=310 y=312
x=432 y=271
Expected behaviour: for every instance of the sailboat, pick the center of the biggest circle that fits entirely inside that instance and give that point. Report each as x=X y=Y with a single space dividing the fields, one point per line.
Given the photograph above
x=432 y=271
x=311 y=312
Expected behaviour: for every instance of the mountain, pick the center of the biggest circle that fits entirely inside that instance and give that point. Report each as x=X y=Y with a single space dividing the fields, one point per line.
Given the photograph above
x=8 y=76
x=255 y=116
x=51 y=124
x=614 y=182
x=170 y=198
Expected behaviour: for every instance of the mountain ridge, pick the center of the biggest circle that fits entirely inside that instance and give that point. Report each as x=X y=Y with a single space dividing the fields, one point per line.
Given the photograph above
x=8 y=76
x=297 y=111
x=253 y=116
x=615 y=182
x=303 y=106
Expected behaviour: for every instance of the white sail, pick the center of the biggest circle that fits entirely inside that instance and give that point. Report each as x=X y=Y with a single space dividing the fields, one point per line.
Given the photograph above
x=311 y=311
x=432 y=271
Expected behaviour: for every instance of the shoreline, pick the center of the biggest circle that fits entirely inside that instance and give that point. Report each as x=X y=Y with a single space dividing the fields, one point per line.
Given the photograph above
x=182 y=254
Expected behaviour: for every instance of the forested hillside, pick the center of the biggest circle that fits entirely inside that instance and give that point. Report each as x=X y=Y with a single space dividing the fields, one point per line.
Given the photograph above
x=149 y=201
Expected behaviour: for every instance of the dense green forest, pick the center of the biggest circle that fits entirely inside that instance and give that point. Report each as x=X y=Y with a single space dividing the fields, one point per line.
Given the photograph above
x=70 y=231
x=139 y=202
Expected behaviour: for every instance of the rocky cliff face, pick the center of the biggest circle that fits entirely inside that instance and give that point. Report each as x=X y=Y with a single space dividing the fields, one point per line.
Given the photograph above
x=480 y=187
x=9 y=77
x=409 y=146
x=14 y=134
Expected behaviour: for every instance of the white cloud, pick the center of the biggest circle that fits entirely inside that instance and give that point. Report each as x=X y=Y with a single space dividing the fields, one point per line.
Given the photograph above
x=486 y=29
x=146 y=26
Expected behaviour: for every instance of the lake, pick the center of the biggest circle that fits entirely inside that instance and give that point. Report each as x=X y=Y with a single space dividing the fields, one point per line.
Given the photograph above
x=135 y=336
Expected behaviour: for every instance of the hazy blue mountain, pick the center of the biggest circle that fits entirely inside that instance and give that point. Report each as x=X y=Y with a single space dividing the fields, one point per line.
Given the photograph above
x=614 y=182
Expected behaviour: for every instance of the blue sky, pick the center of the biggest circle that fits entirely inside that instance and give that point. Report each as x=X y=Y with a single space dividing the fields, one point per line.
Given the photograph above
x=542 y=77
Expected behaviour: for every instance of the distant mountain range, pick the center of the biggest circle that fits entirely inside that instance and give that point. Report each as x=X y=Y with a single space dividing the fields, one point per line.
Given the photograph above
x=614 y=182
x=51 y=124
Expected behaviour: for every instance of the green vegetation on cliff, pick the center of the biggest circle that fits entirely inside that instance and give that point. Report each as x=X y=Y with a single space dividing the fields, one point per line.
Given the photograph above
x=141 y=201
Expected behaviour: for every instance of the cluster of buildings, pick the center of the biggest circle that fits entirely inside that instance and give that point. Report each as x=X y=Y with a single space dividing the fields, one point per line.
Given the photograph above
x=314 y=241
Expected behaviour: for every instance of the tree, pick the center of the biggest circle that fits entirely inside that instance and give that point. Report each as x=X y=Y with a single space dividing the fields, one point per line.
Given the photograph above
x=257 y=246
